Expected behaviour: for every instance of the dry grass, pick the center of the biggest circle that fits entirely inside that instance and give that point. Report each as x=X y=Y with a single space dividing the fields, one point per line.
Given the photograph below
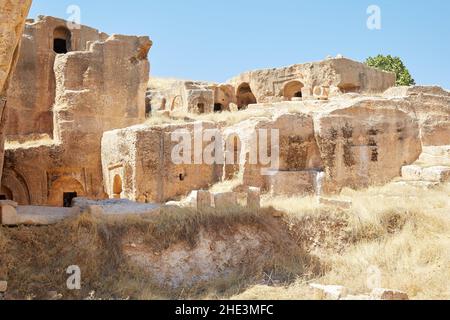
x=226 y=117
x=400 y=239
x=394 y=237
x=34 y=259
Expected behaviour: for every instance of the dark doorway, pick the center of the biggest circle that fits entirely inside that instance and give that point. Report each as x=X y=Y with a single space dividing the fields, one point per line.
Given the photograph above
x=245 y=96
x=3 y=197
x=148 y=108
x=298 y=95
x=60 y=46
x=68 y=197
x=218 y=107
x=62 y=39
x=201 y=108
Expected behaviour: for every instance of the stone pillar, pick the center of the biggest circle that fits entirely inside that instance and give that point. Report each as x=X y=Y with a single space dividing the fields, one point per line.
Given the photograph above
x=225 y=200
x=8 y=213
x=203 y=200
x=254 y=198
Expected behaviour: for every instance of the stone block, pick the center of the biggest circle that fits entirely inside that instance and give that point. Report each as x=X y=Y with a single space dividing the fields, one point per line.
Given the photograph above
x=203 y=200
x=3 y=286
x=330 y=292
x=254 y=198
x=42 y=216
x=292 y=183
x=432 y=174
x=225 y=200
x=8 y=213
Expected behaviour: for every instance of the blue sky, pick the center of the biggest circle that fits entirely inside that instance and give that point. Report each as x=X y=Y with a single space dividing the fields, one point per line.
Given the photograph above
x=215 y=40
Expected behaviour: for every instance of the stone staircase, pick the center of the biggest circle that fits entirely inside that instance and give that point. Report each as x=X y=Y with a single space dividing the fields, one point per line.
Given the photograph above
x=431 y=169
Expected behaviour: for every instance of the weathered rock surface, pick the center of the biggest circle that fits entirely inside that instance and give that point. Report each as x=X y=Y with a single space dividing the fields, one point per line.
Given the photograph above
x=431 y=106
x=365 y=143
x=95 y=90
x=12 y=20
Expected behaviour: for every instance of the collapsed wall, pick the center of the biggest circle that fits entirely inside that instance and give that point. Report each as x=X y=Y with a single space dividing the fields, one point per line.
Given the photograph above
x=96 y=90
x=12 y=20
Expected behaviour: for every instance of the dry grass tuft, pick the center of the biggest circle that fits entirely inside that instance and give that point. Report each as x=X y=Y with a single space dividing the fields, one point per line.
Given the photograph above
x=399 y=238
x=393 y=237
x=34 y=260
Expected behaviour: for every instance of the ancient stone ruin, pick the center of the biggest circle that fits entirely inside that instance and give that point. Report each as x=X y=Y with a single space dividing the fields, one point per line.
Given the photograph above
x=83 y=123
x=180 y=178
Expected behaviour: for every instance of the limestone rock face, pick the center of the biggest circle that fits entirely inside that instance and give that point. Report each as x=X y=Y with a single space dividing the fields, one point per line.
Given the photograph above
x=295 y=149
x=100 y=88
x=138 y=162
x=12 y=20
x=33 y=85
x=189 y=96
x=431 y=106
x=366 y=143
x=317 y=80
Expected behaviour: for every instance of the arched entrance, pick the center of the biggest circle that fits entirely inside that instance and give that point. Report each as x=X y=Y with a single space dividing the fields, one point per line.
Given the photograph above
x=177 y=103
x=64 y=190
x=293 y=90
x=117 y=187
x=62 y=38
x=245 y=96
x=6 y=194
x=14 y=187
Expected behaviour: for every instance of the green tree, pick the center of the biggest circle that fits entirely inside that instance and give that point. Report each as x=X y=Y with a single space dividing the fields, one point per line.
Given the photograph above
x=392 y=64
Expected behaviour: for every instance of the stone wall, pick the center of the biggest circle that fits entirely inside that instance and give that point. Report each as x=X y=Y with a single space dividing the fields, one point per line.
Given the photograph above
x=188 y=96
x=32 y=91
x=431 y=107
x=100 y=89
x=138 y=163
x=365 y=143
x=12 y=20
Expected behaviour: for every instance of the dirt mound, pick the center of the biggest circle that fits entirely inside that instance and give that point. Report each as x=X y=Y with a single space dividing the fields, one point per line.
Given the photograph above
x=178 y=252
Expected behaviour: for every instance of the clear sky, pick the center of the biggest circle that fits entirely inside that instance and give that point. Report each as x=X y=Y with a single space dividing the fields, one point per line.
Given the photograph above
x=216 y=40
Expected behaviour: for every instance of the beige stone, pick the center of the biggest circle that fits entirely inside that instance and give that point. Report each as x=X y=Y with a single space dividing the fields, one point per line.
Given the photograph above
x=204 y=200
x=338 y=203
x=140 y=157
x=290 y=183
x=189 y=96
x=317 y=80
x=12 y=19
x=115 y=207
x=431 y=106
x=98 y=88
x=40 y=215
x=8 y=213
x=3 y=286
x=365 y=142
x=432 y=174
x=330 y=292
x=225 y=200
